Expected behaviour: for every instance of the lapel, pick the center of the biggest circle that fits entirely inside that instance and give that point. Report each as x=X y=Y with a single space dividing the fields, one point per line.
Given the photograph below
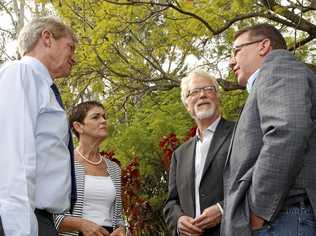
x=232 y=139
x=189 y=170
x=221 y=132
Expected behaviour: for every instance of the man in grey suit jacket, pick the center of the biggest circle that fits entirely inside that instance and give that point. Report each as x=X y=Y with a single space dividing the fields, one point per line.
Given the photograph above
x=194 y=204
x=270 y=174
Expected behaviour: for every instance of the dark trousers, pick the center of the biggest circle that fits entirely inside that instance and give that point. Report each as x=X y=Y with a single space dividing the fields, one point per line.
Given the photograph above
x=1 y=229
x=46 y=225
x=215 y=231
x=45 y=221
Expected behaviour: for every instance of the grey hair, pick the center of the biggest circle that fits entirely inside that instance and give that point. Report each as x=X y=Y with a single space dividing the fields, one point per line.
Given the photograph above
x=31 y=32
x=187 y=80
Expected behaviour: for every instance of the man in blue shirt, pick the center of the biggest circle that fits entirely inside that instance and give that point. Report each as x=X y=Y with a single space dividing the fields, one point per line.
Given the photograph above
x=36 y=148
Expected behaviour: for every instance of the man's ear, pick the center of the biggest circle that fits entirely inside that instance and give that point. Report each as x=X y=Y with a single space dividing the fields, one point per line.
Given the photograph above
x=47 y=36
x=265 y=47
x=188 y=109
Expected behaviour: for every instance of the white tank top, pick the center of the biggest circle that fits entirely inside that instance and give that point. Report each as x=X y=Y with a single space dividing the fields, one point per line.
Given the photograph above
x=98 y=201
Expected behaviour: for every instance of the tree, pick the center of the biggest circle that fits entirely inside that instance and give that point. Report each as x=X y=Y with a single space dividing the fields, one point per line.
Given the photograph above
x=140 y=47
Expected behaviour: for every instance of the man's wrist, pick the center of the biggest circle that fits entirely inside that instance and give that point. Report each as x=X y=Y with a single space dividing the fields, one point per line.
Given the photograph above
x=220 y=208
x=177 y=228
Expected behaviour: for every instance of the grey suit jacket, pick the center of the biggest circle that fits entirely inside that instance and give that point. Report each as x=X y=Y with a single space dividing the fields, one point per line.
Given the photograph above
x=181 y=197
x=274 y=146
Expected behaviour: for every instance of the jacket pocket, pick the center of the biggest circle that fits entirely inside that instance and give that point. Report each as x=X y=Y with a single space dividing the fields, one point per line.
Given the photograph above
x=247 y=176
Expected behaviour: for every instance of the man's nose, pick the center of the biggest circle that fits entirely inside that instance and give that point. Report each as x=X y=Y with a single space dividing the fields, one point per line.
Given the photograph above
x=202 y=93
x=73 y=60
x=232 y=62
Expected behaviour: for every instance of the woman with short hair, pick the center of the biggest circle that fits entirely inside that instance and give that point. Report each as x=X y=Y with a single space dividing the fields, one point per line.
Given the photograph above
x=98 y=210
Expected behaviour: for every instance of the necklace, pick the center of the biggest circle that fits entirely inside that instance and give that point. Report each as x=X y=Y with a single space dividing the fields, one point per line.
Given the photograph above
x=87 y=160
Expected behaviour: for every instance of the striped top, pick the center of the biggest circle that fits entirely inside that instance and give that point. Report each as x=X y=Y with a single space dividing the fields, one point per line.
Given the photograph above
x=115 y=173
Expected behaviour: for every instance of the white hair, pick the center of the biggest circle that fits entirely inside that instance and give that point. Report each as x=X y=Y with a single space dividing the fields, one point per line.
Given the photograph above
x=187 y=80
x=31 y=32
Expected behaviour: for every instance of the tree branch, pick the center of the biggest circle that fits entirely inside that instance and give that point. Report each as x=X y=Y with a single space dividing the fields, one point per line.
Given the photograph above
x=167 y=5
x=301 y=43
x=299 y=22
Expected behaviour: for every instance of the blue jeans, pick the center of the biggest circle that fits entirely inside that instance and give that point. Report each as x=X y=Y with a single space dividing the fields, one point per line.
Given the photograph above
x=294 y=221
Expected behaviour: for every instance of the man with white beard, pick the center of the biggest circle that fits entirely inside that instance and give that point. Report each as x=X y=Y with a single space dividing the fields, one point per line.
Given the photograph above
x=195 y=198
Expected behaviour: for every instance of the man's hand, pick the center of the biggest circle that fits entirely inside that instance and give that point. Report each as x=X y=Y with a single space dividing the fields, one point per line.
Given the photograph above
x=186 y=227
x=118 y=232
x=209 y=218
x=89 y=228
x=256 y=222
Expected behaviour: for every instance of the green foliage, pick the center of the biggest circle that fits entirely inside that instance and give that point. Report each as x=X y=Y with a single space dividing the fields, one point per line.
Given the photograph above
x=231 y=102
x=136 y=48
x=139 y=48
x=149 y=120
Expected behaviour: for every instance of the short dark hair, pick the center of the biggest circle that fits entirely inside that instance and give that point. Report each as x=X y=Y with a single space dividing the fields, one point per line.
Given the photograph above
x=79 y=112
x=265 y=31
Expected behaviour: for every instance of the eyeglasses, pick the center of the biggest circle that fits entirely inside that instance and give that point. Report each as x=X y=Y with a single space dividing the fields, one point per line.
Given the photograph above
x=237 y=48
x=208 y=89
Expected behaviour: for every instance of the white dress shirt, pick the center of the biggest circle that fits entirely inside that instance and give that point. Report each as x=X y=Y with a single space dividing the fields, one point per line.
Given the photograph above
x=34 y=161
x=201 y=150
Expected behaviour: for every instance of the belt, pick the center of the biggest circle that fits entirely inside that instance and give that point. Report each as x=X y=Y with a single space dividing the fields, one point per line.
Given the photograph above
x=44 y=213
x=297 y=201
x=108 y=228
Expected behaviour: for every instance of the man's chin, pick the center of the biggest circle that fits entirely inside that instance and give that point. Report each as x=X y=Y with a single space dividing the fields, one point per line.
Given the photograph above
x=67 y=73
x=242 y=81
x=204 y=115
x=63 y=75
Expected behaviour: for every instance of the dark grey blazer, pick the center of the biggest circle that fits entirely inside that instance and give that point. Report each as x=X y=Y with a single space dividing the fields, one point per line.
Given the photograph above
x=274 y=146
x=181 y=197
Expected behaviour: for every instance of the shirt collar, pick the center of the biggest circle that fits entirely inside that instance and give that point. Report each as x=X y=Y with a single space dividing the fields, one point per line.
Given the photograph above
x=252 y=80
x=40 y=67
x=211 y=128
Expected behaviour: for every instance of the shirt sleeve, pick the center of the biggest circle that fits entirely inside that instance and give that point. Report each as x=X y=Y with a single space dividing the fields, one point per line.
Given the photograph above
x=18 y=154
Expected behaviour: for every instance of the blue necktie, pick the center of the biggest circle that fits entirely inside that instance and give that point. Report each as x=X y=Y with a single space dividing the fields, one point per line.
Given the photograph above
x=71 y=151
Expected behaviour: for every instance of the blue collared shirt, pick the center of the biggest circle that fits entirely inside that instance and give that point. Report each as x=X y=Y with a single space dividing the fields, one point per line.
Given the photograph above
x=34 y=162
x=252 y=80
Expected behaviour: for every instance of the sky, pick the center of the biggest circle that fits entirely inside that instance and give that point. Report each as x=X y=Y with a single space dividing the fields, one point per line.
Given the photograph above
x=5 y=24
x=5 y=20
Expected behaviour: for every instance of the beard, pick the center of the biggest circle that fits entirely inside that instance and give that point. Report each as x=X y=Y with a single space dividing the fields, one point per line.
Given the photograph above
x=207 y=111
